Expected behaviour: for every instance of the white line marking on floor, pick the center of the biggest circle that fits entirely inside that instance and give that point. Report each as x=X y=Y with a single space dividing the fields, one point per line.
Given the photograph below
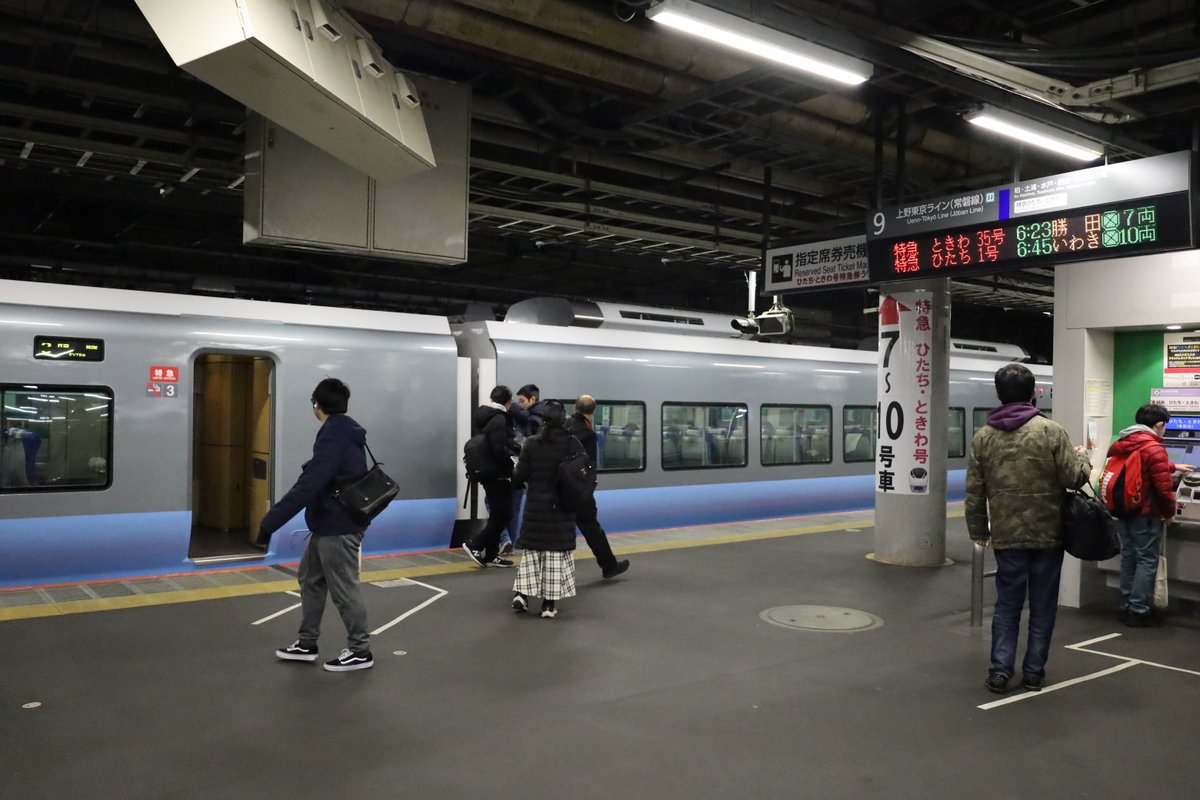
x=1093 y=641
x=1055 y=687
x=1081 y=647
x=276 y=614
x=1139 y=661
x=440 y=594
x=293 y=594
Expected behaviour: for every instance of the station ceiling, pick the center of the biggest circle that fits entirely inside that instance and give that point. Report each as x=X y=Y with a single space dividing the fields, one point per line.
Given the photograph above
x=611 y=159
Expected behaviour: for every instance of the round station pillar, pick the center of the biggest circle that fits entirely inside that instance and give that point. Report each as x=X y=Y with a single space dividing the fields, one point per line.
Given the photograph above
x=912 y=417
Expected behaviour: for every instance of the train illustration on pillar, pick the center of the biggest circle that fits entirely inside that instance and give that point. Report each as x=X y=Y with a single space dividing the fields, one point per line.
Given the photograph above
x=146 y=434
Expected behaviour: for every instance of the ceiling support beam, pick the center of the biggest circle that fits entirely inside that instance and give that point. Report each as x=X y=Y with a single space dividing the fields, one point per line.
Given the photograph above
x=607 y=231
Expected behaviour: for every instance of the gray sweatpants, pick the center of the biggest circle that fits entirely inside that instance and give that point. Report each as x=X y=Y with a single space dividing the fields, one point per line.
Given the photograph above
x=330 y=566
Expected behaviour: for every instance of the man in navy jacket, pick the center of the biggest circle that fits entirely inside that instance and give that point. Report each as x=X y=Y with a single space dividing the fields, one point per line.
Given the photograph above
x=330 y=562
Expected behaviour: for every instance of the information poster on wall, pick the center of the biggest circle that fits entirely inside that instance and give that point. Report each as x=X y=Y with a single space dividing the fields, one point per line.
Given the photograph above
x=905 y=390
x=1181 y=359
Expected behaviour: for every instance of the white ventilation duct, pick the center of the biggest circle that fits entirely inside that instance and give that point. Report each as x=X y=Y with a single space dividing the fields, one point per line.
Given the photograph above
x=295 y=63
x=321 y=21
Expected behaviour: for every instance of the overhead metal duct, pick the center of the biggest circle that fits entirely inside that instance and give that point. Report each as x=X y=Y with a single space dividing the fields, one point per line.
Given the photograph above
x=292 y=63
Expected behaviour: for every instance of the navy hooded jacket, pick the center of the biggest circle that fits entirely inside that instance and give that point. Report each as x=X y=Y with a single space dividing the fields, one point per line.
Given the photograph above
x=338 y=458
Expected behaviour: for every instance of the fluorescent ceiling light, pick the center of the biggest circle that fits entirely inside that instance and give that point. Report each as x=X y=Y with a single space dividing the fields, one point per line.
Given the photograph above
x=1037 y=134
x=759 y=40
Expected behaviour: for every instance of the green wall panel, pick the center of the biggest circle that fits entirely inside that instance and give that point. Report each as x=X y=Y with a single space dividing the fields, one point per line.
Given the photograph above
x=1137 y=368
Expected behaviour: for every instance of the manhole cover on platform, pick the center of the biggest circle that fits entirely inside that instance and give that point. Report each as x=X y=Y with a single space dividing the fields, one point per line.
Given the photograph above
x=827 y=619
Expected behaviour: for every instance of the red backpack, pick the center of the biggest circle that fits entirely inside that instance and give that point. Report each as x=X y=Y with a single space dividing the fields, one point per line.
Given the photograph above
x=1123 y=484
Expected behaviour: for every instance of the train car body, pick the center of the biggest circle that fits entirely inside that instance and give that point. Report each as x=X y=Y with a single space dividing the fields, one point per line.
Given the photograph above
x=171 y=470
x=699 y=430
x=146 y=434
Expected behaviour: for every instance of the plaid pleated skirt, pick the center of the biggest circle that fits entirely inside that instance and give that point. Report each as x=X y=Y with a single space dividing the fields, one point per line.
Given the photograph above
x=548 y=574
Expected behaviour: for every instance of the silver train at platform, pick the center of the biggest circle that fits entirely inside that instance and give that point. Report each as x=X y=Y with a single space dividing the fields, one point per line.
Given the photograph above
x=146 y=434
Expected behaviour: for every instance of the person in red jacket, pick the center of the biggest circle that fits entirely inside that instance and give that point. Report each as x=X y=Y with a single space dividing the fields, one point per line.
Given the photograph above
x=1141 y=536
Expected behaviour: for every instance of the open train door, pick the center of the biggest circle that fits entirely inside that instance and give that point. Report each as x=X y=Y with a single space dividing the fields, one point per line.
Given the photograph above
x=232 y=457
x=476 y=377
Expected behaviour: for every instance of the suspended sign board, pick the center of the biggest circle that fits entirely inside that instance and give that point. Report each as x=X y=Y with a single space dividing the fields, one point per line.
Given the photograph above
x=832 y=264
x=1110 y=211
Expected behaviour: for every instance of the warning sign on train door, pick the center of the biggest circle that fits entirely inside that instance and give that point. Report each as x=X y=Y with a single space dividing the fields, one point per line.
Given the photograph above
x=905 y=393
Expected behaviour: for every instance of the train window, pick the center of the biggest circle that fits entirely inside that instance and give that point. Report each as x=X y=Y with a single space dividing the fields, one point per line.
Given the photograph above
x=620 y=428
x=858 y=433
x=55 y=438
x=956 y=434
x=978 y=419
x=796 y=434
x=701 y=436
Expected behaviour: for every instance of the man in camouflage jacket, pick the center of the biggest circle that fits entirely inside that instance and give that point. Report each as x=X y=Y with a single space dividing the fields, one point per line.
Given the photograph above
x=1019 y=465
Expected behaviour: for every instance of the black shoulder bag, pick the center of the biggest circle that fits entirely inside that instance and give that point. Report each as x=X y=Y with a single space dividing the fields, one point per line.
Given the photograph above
x=1089 y=531
x=367 y=496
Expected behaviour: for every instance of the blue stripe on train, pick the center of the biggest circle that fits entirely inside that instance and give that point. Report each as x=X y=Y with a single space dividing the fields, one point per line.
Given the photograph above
x=624 y=510
x=104 y=546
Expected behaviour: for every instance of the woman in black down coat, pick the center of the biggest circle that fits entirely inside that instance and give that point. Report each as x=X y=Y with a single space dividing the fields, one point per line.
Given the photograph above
x=547 y=533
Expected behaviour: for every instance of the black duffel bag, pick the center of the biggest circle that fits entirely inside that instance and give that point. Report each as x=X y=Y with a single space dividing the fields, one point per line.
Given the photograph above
x=365 y=497
x=1089 y=531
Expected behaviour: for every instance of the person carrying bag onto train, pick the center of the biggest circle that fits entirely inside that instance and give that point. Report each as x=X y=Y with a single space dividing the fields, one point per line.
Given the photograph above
x=548 y=535
x=526 y=414
x=330 y=562
x=532 y=409
x=1019 y=465
x=492 y=420
x=579 y=425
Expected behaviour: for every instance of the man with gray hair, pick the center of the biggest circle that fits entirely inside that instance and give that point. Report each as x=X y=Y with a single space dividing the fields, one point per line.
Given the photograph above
x=580 y=426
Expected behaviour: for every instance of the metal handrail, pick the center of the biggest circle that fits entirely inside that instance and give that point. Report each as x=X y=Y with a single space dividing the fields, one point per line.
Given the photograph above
x=977 y=575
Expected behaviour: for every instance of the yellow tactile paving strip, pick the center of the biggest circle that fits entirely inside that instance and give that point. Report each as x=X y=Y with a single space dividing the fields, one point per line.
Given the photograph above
x=623 y=544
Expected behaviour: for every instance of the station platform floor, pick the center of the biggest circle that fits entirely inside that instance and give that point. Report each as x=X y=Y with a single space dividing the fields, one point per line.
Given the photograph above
x=668 y=682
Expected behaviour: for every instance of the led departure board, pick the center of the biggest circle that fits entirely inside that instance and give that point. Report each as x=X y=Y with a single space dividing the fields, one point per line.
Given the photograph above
x=63 y=348
x=1110 y=230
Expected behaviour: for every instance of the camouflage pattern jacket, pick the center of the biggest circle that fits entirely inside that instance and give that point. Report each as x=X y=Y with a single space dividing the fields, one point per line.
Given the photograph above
x=1019 y=465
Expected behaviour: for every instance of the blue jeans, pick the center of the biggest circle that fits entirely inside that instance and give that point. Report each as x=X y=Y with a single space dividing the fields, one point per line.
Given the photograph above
x=514 y=526
x=1017 y=571
x=1140 y=539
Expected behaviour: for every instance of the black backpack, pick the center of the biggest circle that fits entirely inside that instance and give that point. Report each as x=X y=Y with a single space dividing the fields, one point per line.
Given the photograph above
x=1089 y=531
x=576 y=479
x=478 y=459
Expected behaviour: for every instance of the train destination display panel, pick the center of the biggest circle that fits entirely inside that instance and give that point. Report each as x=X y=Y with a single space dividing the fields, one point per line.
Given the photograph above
x=1107 y=211
x=63 y=348
x=1146 y=225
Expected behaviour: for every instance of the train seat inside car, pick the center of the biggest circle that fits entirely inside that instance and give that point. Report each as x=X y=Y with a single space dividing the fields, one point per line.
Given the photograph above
x=859 y=447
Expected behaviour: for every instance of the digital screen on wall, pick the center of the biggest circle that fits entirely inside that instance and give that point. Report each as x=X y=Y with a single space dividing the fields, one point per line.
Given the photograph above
x=1112 y=230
